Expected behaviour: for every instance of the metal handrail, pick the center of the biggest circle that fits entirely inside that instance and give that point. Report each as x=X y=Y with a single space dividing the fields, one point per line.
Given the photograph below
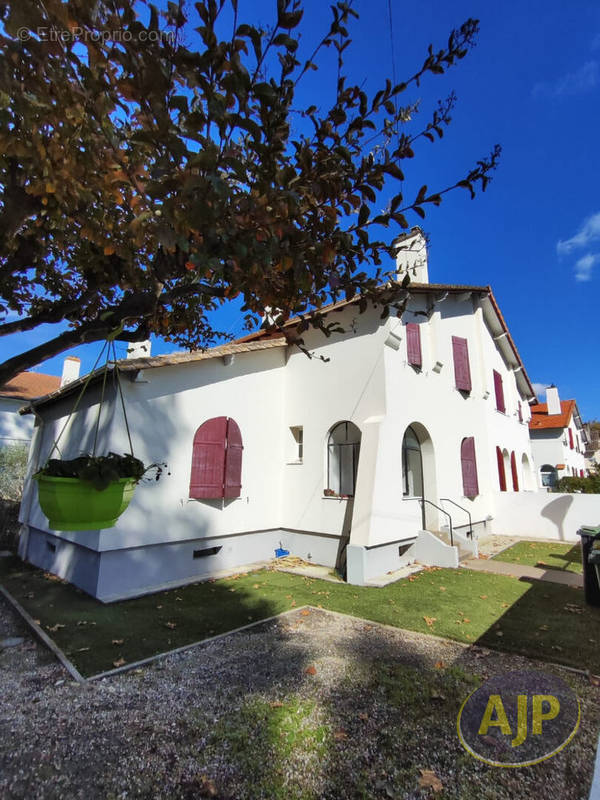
x=466 y=510
x=422 y=500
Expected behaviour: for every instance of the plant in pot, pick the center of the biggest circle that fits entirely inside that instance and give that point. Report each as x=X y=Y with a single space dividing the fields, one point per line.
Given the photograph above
x=90 y=492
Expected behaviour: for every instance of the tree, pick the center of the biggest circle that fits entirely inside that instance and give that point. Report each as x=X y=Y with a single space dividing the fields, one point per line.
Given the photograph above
x=145 y=181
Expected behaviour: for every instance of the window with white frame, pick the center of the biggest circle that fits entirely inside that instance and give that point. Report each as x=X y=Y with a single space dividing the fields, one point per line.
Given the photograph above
x=343 y=448
x=296 y=444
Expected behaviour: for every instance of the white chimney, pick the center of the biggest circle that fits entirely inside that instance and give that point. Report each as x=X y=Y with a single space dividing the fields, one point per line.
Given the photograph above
x=139 y=349
x=70 y=371
x=553 y=400
x=411 y=256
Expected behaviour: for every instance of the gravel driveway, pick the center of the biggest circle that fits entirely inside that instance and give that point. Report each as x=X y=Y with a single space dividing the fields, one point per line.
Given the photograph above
x=301 y=707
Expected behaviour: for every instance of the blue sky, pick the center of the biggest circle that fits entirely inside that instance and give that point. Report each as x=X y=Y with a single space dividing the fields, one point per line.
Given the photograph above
x=532 y=84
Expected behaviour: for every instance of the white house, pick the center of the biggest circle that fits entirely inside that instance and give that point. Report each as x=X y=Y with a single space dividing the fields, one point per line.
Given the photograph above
x=558 y=439
x=26 y=386
x=414 y=423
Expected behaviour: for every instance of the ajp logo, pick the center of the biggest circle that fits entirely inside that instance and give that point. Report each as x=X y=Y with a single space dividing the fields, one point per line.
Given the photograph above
x=518 y=718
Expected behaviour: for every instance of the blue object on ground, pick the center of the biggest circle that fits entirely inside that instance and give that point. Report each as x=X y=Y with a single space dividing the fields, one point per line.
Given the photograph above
x=280 y=552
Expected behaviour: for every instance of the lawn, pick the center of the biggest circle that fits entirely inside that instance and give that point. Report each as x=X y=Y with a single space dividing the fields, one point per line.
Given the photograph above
x=543 y=620
x=546 y=555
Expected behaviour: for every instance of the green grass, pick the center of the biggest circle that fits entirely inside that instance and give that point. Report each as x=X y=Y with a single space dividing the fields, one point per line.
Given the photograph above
x=544 y=555
x=538 y=619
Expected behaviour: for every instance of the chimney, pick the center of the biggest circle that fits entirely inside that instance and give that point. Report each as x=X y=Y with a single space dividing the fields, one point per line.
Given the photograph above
x=411 y=256
x=553 y=400
x=70 y=372
x=139 y=349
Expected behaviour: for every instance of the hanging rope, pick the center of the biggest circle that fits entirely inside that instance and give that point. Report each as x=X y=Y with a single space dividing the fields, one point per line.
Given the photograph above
x=118 y=378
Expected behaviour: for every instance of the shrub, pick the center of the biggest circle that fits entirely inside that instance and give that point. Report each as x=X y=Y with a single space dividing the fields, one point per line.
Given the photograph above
x=13 y=465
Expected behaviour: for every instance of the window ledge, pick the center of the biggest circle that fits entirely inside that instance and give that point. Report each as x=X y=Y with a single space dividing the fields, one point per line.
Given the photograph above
x=293 y=463
x=337 y=497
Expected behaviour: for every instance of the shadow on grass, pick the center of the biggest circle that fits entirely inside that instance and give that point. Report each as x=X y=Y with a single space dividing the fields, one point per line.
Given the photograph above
x=550 y=622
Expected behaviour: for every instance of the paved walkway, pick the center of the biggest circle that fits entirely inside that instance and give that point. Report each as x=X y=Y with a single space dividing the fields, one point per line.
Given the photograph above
x=523 y=571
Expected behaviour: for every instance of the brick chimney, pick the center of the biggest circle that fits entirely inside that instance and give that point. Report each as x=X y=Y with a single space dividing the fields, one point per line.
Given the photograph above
x=553 y=400
x=70 y=371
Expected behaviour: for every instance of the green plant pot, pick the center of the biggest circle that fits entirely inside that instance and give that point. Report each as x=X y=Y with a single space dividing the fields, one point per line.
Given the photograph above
x=74 y=505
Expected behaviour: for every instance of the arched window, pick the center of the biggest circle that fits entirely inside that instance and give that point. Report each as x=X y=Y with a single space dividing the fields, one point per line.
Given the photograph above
x=469 y=467
x=549 y=475
x=217 y=460
x=343 y=448
x=412 y=465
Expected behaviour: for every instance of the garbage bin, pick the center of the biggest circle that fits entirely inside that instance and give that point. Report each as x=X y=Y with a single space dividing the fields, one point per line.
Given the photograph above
x=590 y=557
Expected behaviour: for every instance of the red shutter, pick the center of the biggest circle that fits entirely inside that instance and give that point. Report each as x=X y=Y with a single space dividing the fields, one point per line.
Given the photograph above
x=501 y=473
x=499 y=389
x=413 y=344
x=208 y=459
x=469 y=467
x=581 y=473
x=520 y=411
x=462 y=372
x=513 y=469
x=570 y=438
x=233 y=461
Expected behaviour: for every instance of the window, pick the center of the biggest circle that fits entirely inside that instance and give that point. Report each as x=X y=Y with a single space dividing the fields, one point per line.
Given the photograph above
x=217 y=460
x=462 y=371
x=413 y=344
x=469 y=467
x=549 y=475
x=499 y=389
x=296 y=454
x=412 y=465
x=501 y=471
x=343 y=447
x=513 y=469
x=570 y=438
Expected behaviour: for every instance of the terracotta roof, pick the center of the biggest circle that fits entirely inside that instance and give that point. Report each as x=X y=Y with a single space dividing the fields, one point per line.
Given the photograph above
x=28 y=385
x=540 y=418
x=171 y=359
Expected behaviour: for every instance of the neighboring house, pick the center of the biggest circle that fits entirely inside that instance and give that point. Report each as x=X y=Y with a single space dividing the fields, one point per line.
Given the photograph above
x=592 y=449
x=330 y=460
x=558 y=439
x=24 y=387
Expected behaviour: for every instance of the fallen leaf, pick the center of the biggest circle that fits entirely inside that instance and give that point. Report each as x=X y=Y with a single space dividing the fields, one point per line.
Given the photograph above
x=83 y=649
x=179 y=599
x=504 y=605
x=305 y=613
x=118 y=641
x=207 y=787
x=442 y=588
x=435 y=695
x=276 y=704
x=293 y=603
x=363 y=716
x=595 y=680
x=55 y=628
x=170 y=625
x=159 y=606
x=256 y=586
x=311 y=670
x=499 y=633
x=38 y=621
x=429 y=780
x=429 y=621
x=483 y=596
x=119 y=662
x=544 y=628
x=466 y=620
x=340 y=735
x=440 y=664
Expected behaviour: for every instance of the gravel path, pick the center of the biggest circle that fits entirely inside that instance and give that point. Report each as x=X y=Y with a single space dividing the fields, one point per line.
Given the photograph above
x=195 y=724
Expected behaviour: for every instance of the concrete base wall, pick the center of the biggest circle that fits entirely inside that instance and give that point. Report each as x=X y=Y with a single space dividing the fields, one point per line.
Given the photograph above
x=545 y=515
x=364 y=563
x=117 y=574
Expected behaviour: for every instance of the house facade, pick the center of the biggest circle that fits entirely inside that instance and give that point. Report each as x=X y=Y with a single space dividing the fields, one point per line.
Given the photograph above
x=16 y=428
x=558 y=439
x=360 y=457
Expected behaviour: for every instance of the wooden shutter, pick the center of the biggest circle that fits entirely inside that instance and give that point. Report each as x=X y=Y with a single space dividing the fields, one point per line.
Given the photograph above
x=520 y=411
x=208 y=459
x=233 y=461
x=413 y=344
x=469 y=467
x=501 y=473
x=581 y=473
x=462 y=372
x=499 y=389
x=513 y=469
x=570 y=438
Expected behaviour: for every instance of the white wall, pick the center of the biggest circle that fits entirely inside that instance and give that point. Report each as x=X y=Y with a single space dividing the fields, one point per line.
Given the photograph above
x=545 y=515
x=14 y=427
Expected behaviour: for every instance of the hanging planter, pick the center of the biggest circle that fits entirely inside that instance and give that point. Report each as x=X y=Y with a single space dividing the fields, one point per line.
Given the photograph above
x=89 y=492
